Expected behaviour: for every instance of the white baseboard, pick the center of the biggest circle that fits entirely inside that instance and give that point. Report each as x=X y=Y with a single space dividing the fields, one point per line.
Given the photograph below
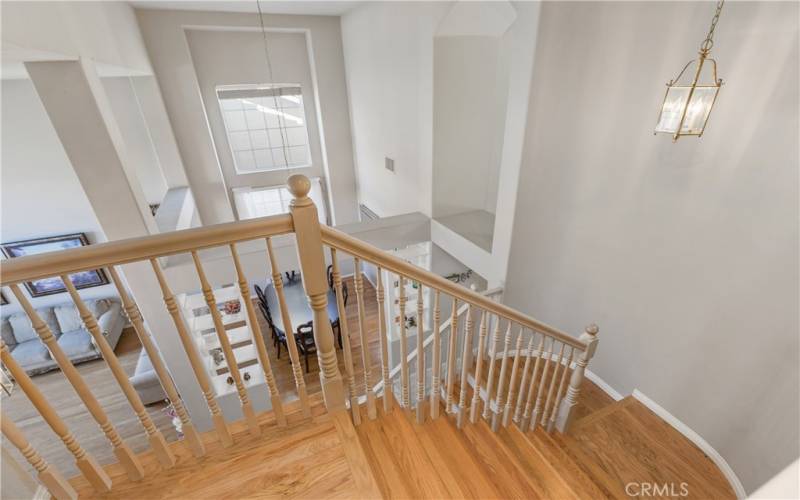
x=594 y=378
x=696 y=439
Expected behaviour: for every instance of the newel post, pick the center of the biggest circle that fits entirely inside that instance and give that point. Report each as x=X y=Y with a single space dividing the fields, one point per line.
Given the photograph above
x=565 y=413
x=312 y=266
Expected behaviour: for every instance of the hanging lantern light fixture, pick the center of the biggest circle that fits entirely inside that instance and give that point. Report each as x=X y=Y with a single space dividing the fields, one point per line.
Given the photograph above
x=687 y=104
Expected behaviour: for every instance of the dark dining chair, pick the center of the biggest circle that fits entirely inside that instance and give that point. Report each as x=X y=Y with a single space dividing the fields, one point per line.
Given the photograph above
x=333 y=309
x=305 y=340
x=263 y=305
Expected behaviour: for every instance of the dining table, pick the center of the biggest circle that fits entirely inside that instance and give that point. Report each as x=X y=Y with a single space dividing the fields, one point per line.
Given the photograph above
x=300 y=311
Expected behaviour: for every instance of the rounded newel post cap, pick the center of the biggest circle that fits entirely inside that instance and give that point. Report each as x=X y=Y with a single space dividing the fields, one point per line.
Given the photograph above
x=592 y=329
x=299 y=185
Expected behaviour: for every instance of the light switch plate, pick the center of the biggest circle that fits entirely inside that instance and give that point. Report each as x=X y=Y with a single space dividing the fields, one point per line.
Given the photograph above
x=389 y=163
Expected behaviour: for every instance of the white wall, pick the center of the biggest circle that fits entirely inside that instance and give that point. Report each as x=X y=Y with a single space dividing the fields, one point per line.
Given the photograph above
x=165 y=36
x=41 y=194
x=388 y=50
x=466 y=105
x=685 y=253
x=106 y=32
x=211 y=54
x=135 y=131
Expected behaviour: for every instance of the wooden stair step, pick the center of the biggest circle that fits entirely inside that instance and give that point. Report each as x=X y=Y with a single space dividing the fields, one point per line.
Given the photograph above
x=552 y=453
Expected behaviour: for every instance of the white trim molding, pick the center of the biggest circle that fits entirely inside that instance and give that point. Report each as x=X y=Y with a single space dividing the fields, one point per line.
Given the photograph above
x=605 y=386
x=694 y=437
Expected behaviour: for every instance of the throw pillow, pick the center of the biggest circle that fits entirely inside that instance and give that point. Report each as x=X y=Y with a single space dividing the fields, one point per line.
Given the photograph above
x=7 y=333
x=68 y=318
x=22 y=328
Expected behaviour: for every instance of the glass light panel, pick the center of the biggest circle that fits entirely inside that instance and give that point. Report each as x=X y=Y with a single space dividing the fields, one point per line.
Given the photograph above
x=672 y=110
x=698 y=110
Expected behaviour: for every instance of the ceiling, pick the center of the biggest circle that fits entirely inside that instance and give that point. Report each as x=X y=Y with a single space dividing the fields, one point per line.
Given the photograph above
x=300 y=7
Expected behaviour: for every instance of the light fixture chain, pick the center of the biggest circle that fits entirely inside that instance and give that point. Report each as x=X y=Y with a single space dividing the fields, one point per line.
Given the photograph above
x=709 y=41
x=281 y=119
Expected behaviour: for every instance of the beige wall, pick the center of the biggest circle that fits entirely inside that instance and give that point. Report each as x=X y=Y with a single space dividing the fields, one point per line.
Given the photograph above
x=686 y=254
x=164 y=33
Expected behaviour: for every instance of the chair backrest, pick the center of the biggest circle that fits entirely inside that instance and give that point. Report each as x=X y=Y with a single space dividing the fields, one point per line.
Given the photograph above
x=305 y=332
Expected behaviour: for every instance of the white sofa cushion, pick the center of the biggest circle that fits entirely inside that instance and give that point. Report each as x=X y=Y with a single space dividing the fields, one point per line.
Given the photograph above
x=22 y=328
x=68 y=318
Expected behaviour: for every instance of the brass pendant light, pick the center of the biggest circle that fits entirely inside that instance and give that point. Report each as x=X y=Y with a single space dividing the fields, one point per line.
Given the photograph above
x=687 y=105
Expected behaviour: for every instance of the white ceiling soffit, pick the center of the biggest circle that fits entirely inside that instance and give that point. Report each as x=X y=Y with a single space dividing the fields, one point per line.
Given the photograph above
x=468 y=18
x=297 y=7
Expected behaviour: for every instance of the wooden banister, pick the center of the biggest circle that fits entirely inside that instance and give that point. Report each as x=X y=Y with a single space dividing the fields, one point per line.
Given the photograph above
x=121 y=449
x=421 y=356
x=404 y=376
x=366 y=359
x=48 y=476
x=476 y=392
x=258 y=339
x=436 y=358
x=388 y=395
x=90 y=257
x=565 y=411
x=286 y=318
x=194 y=358
x=154 y=436
x=305 y=221
x=135 y=317
x=86 y=463
x=344 y=331
x=227 y=350
x=353 y=246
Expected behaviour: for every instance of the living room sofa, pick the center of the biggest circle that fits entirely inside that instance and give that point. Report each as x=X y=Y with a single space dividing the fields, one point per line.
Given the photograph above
x=65 y=323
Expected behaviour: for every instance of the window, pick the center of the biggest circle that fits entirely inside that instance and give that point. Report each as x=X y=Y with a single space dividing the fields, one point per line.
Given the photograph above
x=252 y=202
x=266 y=126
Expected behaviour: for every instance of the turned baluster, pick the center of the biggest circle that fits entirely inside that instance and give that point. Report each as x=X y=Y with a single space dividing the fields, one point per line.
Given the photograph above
x=194 y=357
x=86 y=463
x=492 y=363
x=565 y=413
x=512 y=385
x=523 y=385
x=154 y=436
x=48 y=476
x=404 y=376
x=227 y=350
x=499 y=401
x=465 y=366
x=436 y=358
x=258 y=339
x=308 y=234
x=476 y=393
x=550 y=390
x=537 y=408
x=286 y=318
x=135 y=317
x=560 y=391
x=451 y=357
x=345 y=333
x=121 y=450
x=420 y=357
x=366 y=359
x=526 y=416
x=388 y=395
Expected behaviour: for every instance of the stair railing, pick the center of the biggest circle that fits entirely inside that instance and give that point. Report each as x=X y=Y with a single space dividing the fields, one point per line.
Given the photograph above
x=138 y=255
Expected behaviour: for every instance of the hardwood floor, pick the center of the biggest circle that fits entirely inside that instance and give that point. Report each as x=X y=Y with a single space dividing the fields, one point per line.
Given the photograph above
x=309 y=458
x=68 y=405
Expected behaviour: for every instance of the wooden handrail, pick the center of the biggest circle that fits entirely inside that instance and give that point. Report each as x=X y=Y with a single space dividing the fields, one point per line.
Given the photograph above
x=73 y=260
x=358 y=248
